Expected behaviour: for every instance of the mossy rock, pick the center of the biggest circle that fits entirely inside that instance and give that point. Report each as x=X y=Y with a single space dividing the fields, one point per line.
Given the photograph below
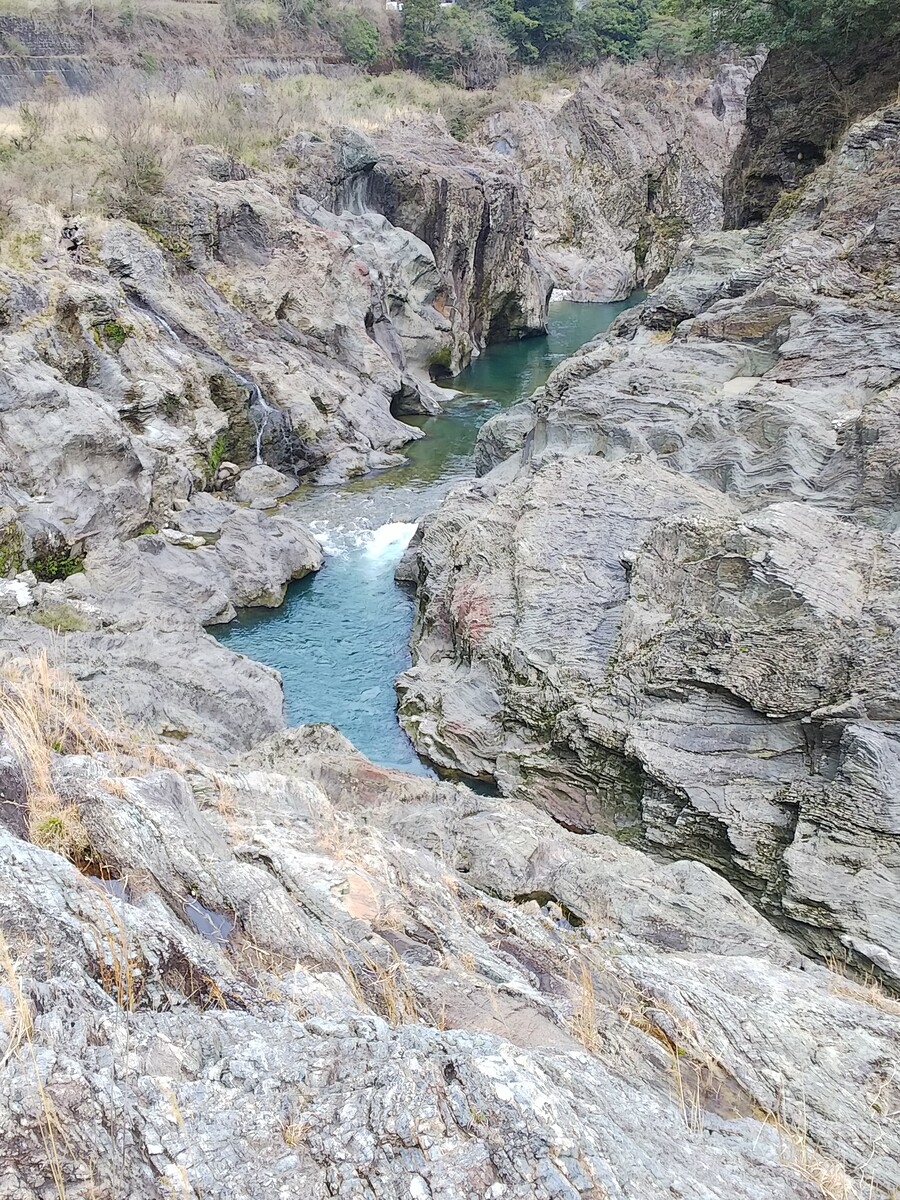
x=239 y=440
x=113 y=334
x=52 y=558
x=440 y=364
x=60 y=618
x=12 y=555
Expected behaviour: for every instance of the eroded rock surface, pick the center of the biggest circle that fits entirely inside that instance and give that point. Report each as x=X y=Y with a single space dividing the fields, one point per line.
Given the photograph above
x=466 y=208
x=672 y=613
x=309 y=974
x=623 y=169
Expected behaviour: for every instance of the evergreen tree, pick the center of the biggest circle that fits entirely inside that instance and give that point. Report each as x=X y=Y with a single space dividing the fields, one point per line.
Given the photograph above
x=610 y=28
x=420 y=20
x=553 y=20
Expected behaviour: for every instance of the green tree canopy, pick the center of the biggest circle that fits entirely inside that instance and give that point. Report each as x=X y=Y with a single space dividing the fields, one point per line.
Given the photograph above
x=609 y=28
x=823 y=25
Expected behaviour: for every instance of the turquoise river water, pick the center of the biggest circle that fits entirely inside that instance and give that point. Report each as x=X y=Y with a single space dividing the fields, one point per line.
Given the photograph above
x=342 y=635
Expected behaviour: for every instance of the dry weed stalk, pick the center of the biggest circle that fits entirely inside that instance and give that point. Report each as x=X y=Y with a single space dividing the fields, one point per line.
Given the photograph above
x=868 y=991
x=119 y=964
x=18 y=1019
x=584 y=1021
x=43 y=712
x=385 y=990
x=826 y=1174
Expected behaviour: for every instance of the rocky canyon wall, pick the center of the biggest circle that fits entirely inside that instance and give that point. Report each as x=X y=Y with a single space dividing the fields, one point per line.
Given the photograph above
x=671 y=613
x=620 y=170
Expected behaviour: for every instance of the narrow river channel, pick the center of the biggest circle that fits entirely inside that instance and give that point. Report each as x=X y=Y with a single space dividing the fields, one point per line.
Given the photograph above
x=342 y=635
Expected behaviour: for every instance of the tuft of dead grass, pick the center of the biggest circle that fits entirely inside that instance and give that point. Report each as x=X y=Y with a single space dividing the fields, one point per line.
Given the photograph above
x=43 y=712
x=866 y=991
x=385 y=990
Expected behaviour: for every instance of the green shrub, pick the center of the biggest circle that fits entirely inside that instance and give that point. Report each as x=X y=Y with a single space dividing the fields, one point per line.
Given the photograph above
x=214 y=459
x=359 y=38
x=115 y=334
x=52 y=558
x=11 y=552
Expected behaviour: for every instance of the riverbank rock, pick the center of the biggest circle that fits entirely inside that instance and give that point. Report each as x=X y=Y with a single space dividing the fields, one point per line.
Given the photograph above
x=133 y=615
x=468 y=207
x=317 y=974
x=263 y=484
x=672 y=614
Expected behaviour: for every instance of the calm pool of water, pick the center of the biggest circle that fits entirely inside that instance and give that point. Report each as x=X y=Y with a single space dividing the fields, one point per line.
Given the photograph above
x=342 y=635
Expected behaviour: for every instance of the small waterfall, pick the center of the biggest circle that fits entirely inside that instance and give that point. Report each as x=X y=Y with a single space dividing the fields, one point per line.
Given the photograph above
x=266 y=418
x=387 y=543
x=353 y=196
x=165 y=326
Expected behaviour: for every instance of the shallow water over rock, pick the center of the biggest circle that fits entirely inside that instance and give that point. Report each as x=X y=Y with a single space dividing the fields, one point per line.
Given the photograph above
x=342 y=635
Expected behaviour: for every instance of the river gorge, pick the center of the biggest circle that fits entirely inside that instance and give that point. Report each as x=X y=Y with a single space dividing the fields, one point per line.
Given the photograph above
x=341 y=636
x=449 y=623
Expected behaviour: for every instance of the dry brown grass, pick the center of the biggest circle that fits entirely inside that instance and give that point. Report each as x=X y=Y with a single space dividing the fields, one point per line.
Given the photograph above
x=15 y=1014
x=585 y=1018
x=68 y=151
x=43 y=713
x=824 y=1173
x=866 y=991
x=385 y=990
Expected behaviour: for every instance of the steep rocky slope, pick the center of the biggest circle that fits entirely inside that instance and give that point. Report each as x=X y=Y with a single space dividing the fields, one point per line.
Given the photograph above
x=797 y=108
x=467 y=206
x=672 y=613
x=238 y=960
x=309 y=976
x=623 y=168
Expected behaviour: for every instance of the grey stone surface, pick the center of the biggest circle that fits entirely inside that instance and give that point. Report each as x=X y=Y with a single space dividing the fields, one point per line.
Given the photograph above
x=672 y=613
x=361 y=1018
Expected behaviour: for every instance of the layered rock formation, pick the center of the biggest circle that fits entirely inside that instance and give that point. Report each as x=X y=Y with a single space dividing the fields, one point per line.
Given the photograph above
x=622 y=169
x=672 y=614
x=466 y=206
x=307 y=975
x=238 y=960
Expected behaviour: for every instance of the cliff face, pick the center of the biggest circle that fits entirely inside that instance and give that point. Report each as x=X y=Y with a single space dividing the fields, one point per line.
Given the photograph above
x=237 y=329
x=468 y=207
x=621 y=170
x=796 y=109
x=672 y=614
x=238 y=960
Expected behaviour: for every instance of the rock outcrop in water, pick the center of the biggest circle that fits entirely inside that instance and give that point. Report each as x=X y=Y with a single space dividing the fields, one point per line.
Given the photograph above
x=672 y=614
x=466 y=206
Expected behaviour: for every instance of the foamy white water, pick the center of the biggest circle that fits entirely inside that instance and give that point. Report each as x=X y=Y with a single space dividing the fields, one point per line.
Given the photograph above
x=388 y=542
x=384 y=543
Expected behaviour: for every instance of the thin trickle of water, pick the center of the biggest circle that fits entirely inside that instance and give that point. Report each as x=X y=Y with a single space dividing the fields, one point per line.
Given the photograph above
x=342 y=636
x=265 y=417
